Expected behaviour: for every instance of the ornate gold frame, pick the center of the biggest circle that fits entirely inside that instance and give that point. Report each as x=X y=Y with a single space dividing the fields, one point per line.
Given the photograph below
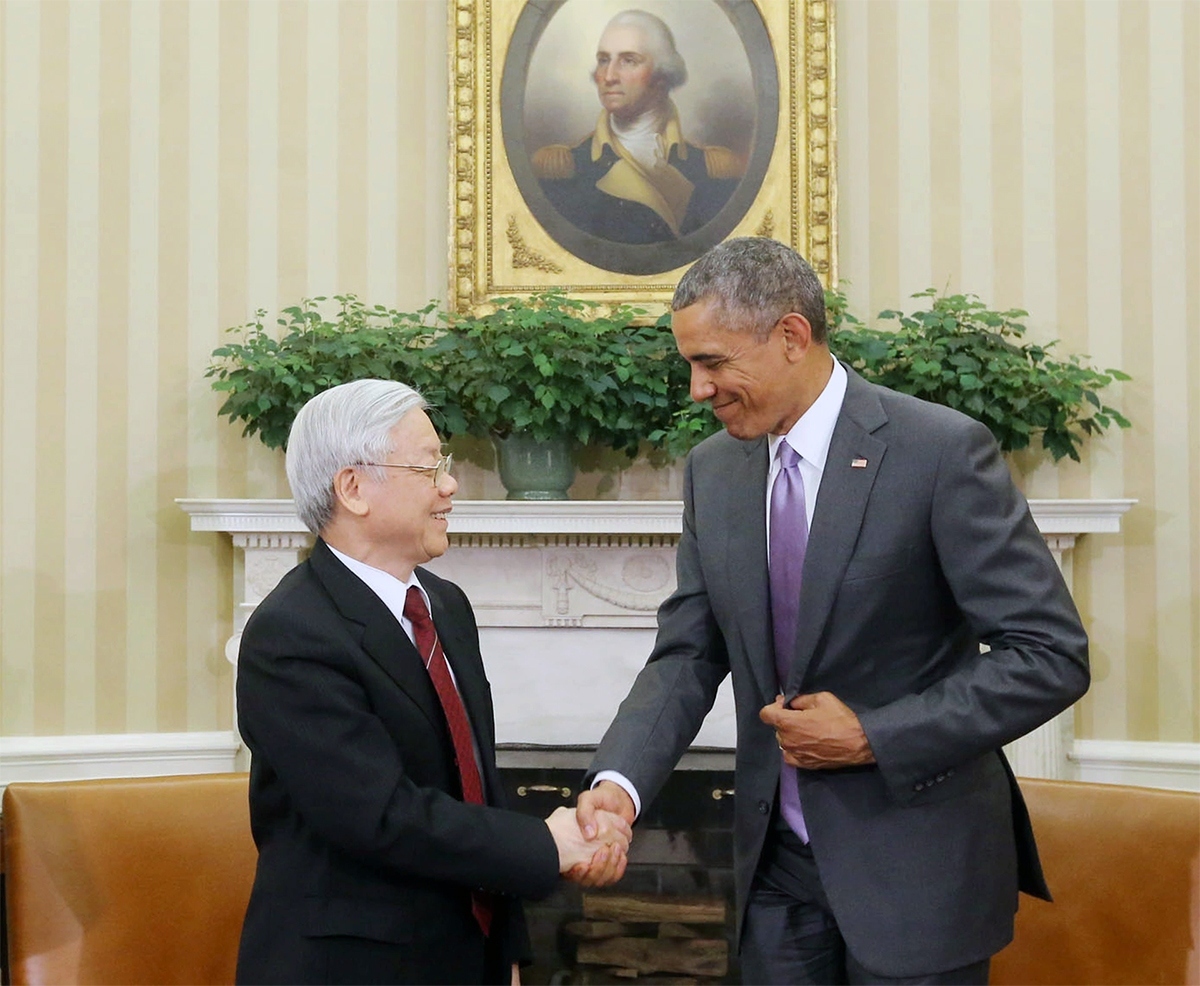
x=498 y=248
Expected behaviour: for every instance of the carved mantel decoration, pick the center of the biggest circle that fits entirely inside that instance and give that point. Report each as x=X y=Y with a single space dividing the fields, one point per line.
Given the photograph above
x=566 y=592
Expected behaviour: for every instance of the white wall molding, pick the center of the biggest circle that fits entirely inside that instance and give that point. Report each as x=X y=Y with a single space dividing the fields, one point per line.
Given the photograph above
x=1169 y=765
x=60 y=758
x=79 y=757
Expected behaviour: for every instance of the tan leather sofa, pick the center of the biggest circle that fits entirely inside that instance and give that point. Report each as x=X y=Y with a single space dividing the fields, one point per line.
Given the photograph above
x=1123 y=864
x=146 y=881
x=127 y=881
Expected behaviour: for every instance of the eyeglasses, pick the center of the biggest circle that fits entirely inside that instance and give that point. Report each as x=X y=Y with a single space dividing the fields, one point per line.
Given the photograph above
x=440 y=469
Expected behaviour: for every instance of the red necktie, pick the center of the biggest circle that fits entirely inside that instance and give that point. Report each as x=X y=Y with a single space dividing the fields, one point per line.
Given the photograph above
x=434 y=657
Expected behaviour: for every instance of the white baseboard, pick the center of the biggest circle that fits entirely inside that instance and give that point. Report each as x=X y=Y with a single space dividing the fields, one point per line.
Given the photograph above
x=1168 y=765
x=70 y=758
x=65 y=758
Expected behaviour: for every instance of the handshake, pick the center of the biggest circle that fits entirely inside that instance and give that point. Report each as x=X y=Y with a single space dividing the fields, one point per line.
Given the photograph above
x=593 y=838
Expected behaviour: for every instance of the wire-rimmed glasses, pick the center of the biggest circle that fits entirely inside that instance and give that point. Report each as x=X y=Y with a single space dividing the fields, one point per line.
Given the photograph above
x=440 y=469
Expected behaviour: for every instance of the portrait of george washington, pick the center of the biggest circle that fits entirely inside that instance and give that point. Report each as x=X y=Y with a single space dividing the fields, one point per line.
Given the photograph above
x=639 y=136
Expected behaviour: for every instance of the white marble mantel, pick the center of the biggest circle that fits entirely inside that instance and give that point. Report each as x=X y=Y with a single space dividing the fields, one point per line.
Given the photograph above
x=565 y=593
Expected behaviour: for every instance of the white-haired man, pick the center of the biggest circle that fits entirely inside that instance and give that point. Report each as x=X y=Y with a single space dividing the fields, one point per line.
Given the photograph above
x=635 y=179
x=384 y=853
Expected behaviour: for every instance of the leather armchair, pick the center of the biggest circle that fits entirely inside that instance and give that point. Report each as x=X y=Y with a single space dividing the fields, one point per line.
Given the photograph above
x=1123 y=864
x=127 y=881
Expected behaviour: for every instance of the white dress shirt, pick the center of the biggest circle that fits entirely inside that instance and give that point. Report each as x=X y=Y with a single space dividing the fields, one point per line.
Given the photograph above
x=810 y=437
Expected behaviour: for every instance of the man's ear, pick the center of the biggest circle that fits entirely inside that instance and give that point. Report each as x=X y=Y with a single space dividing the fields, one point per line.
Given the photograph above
x=797 y=335
x=348 y=492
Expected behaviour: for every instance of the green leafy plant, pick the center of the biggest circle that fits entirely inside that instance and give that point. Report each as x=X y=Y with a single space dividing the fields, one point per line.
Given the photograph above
x=551 y=365
x=267 y=380
x=959 y=353
x=548 y=365
x=557 y=366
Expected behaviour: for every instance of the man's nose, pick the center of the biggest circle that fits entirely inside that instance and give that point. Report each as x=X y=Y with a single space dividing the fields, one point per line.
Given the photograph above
x=608 y=73
x=702 y=388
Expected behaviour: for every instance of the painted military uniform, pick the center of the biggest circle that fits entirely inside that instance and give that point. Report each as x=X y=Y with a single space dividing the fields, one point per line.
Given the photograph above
x=601 y=188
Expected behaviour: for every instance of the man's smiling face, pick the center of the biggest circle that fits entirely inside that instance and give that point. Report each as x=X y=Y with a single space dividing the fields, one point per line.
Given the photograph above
x=742 y=376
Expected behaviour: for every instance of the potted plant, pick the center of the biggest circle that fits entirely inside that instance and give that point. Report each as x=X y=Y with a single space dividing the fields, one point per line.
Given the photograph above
x=538 y=376
x=960 y=353
x=544 y=375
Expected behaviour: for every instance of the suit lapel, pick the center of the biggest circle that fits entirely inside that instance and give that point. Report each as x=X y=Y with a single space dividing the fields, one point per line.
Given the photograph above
x=746 y=563
x=850 y=469
x=382 y=637
x=388 y=645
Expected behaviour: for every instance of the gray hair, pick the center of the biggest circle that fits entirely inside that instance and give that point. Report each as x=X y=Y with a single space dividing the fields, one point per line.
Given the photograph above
x=669 y=66
x=753 y=282
x=343 y=426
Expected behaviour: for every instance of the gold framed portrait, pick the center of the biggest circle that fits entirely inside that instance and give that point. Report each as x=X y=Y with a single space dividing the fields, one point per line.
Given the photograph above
x=600 y=146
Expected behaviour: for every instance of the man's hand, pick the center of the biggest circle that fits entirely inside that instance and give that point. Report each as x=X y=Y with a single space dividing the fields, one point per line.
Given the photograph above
x=817 y=732
x=606 y=796
x=604 y=805
x=605 y=852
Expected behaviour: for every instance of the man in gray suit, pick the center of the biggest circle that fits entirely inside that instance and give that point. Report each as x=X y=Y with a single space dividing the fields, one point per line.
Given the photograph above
x=845 y=551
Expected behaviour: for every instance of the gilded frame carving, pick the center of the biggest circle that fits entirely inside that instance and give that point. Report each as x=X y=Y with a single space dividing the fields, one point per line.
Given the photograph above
x=497 y=246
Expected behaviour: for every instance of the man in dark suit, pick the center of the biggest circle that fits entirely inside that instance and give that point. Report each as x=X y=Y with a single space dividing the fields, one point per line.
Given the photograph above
x=845 y=551
x=385 y=855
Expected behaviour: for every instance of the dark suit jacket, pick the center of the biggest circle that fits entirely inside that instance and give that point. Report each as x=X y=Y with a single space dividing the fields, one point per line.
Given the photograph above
x=367 y=854
x=913 y=560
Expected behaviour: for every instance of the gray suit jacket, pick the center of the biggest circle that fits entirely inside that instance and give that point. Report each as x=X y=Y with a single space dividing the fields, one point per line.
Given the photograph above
x=913 y=561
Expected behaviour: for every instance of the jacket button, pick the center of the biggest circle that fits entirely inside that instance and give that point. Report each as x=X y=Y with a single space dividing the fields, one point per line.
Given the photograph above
x=764 y=808
x=919 y=786
x=940 y=778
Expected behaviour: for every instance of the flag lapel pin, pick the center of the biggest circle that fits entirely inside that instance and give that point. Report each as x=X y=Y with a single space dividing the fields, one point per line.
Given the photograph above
x=858 y=463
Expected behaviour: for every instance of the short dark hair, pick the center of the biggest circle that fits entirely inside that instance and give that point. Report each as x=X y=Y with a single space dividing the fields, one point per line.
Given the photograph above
x=754 y=282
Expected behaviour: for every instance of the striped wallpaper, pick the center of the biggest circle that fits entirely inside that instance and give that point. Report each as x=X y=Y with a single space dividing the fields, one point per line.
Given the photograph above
x=1046 y=155
x=166 y=168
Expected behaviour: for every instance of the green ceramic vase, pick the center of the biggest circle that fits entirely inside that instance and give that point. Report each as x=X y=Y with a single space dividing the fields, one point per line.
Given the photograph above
x=533 y=470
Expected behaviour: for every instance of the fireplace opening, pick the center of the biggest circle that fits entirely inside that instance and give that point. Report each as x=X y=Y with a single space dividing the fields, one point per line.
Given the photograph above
x=671 y=919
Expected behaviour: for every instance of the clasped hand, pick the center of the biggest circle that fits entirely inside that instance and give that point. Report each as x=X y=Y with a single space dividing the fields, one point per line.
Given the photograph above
x=600 y=852
x=604 y=815
x=817 y=732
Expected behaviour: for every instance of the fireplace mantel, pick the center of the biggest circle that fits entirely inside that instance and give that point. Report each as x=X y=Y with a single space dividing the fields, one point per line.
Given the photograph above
x=565 y=593
x=1055 y=518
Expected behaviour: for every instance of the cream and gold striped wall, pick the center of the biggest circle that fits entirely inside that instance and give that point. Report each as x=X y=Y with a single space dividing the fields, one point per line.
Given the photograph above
x=1046 y=155
x=168 y=167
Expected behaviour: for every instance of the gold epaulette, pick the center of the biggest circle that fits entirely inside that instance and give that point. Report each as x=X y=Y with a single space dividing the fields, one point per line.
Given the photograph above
x=553 y=161
x=721 y=162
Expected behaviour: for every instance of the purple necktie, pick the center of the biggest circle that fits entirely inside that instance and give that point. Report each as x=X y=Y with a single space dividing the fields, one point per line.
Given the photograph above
x=789 y=541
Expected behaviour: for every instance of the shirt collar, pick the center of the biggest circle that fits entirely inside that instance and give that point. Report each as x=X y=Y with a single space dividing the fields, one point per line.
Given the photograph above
x=387 y=587
x=811 y=435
